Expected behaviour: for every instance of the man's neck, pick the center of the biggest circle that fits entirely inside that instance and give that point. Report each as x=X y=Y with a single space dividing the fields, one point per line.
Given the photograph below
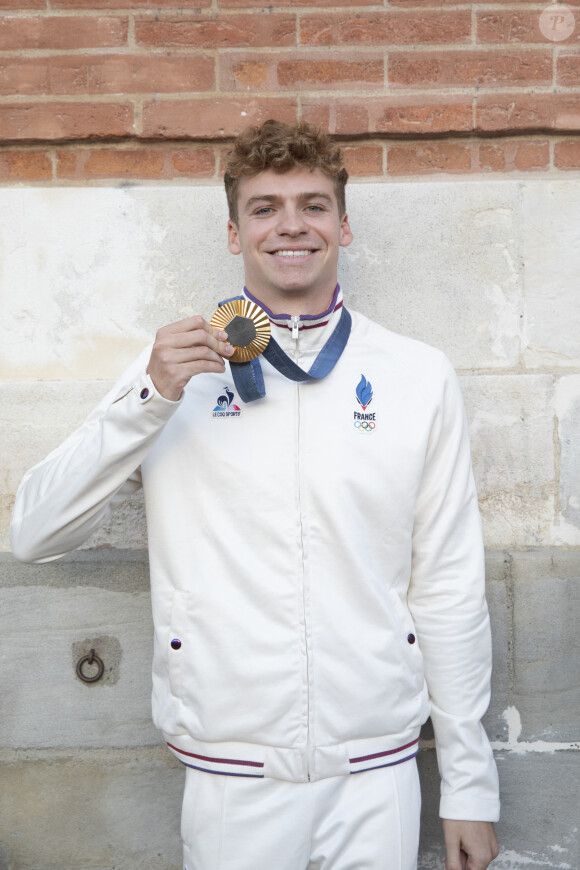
x=293 y=304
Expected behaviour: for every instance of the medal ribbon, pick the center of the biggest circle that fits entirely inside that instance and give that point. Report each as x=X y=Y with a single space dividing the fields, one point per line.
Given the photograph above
x=248 y=376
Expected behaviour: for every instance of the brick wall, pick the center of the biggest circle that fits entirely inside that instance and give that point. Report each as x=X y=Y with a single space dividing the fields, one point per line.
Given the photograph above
x=96 y=91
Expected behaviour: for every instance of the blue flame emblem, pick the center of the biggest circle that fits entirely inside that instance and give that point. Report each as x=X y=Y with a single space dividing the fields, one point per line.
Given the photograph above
x=364 y=393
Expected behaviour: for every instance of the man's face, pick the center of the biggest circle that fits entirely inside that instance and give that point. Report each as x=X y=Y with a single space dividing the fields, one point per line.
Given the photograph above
x=289 y=232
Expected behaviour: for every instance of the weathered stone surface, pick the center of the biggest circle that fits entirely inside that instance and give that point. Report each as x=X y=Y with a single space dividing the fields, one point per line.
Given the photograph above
x=442 y=264
x=539 y=827
x=119 y=570
x=95 y=811
x=511 y=428
x=567 y=403
x=552 y=263
x=45 y=631
x=35 y=417
x=496 y=591
x=547 y=654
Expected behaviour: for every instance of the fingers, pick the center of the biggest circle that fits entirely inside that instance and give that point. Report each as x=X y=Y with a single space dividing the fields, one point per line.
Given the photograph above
x=183 y=350
x=469 y=845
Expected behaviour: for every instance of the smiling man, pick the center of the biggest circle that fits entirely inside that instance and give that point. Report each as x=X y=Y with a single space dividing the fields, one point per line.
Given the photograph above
x=315 y=549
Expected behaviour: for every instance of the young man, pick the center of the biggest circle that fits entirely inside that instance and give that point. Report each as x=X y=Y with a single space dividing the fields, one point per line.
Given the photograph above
x=315 y=550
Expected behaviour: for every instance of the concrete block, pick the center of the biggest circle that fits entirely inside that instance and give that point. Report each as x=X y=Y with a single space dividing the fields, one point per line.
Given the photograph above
x=44 y=633
x=551 y=250
x=538 y=829
x=511 y=429
x=92 y=811
x=441 y=264
x=546 y=652
x=497 y=593
x=567 y=405
x=37 y=416
x=99 y=270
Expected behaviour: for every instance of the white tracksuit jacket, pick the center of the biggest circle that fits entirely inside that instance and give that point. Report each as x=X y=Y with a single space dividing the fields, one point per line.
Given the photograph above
x=317 y=583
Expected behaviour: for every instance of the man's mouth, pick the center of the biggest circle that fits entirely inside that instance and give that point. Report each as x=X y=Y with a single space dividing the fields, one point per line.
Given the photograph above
x=293 y=254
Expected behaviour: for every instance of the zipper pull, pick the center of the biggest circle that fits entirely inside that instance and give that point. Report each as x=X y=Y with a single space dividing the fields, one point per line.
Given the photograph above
x=295 y=318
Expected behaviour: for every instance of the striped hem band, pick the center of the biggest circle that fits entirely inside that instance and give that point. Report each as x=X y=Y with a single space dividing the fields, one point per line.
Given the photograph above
x=223 y=766
x=385 y=759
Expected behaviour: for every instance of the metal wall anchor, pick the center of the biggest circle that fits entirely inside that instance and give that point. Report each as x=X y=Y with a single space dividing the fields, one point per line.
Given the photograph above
x=91 y=659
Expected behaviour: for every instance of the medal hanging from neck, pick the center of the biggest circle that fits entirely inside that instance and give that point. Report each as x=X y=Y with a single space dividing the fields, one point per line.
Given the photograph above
x=248 y=329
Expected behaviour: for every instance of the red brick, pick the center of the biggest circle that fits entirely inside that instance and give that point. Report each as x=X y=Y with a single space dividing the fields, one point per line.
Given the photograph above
x=568 y=70
x=513 y=26
x=415 y=116
x=433 y=157
x=25 y=166
x=470 y=68
x=223 y=155
x=231 y=31
x=18 y=5
x=532 y=155
x=248 y=74
x=62 y=33
x=266 y=72
x=316 y=112
x=66 y=163
x=126 y=163
x=320 y=4
x=443 y=3
x=364 y=160
x=130 y=4
x=508 y=155
x=106 y=74
x=531 y=112
x=193 y=163
x=567 y=154
x=336 y=74
x=492 y=157
x=143 y=162
x=212 y=118
x=395 y=116
x=52 y=121
x=378 y=28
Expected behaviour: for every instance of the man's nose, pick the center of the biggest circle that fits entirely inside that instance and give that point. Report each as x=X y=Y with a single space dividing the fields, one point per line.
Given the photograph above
x=291 y=222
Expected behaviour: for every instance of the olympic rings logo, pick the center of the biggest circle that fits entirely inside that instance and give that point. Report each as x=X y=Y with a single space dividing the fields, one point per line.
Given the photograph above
x=364 y=425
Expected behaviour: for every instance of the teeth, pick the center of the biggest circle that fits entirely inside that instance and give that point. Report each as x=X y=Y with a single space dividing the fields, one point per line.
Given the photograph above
x=292 y=253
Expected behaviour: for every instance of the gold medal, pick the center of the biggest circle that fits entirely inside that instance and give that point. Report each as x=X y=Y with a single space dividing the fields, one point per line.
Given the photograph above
x=247 y=326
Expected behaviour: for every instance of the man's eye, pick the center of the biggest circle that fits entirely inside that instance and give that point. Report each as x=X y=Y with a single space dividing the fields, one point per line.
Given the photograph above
x=265 y=209
x=314 y=208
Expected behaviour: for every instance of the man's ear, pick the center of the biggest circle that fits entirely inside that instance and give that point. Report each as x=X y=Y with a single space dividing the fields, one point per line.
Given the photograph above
x=234 y=246
x=345 y=232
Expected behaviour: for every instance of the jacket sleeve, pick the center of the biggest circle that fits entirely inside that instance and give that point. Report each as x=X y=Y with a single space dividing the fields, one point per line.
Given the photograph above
x=447 y=601
x=70 y=494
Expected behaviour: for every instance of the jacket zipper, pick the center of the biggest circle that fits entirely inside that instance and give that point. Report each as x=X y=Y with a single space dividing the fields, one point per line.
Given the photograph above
x=295 y=320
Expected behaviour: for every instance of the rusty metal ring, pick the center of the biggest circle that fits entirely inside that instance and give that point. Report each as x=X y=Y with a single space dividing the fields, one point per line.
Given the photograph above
x=91 y=659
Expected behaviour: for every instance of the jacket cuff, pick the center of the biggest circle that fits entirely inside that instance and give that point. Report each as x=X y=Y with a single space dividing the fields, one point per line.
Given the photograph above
x=461 y=807
x=144 y=392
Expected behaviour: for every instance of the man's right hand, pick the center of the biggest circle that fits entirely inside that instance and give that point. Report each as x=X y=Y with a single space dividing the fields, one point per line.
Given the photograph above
x=185 y=349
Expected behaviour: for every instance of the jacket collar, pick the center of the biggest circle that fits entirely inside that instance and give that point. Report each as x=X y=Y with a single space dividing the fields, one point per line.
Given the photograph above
x=309 y=332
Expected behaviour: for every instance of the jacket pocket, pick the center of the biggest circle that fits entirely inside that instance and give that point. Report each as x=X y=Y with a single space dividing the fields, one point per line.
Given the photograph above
x=406 y=639
x=178 y=642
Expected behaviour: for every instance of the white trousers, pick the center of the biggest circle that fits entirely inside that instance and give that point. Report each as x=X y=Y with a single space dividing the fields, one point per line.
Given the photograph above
x=364 y=821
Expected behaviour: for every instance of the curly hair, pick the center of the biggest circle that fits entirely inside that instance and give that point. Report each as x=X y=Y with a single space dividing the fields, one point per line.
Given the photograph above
x=279 y=146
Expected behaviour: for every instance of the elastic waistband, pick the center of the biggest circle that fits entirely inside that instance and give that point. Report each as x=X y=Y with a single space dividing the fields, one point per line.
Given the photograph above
x=294 y=765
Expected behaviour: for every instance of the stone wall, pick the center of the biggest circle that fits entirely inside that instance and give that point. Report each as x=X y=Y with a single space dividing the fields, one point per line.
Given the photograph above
x=486 y=270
